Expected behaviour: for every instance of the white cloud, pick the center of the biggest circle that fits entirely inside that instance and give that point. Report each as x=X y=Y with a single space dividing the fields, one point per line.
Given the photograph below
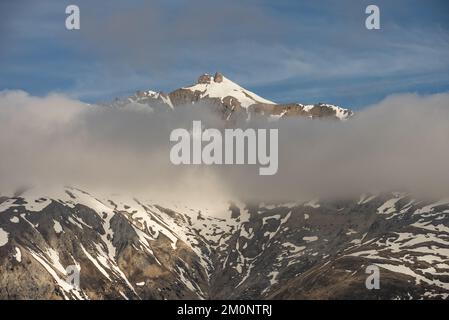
x=400 y=144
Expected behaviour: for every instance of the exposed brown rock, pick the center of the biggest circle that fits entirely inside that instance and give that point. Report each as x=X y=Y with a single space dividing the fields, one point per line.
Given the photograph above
x=204 y=78
x=218 y=77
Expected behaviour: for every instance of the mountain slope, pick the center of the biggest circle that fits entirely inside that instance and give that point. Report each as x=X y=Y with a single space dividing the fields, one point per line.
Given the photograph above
x=137 y=249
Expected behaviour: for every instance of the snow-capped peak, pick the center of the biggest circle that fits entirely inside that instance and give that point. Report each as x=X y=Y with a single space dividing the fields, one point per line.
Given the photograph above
x=233 y=100
x=221 y=87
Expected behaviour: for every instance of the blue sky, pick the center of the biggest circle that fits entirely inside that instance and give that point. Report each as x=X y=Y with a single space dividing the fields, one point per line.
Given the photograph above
x=286 y=51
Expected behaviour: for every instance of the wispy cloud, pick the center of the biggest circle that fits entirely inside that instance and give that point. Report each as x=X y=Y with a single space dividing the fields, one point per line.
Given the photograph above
x=285 y=50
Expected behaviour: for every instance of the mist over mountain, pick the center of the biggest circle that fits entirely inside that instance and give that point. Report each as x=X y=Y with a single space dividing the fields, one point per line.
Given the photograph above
x=399 y=144
x=92 y=186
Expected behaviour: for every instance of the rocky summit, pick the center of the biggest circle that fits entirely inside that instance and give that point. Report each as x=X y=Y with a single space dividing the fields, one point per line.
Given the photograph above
x=231 y=101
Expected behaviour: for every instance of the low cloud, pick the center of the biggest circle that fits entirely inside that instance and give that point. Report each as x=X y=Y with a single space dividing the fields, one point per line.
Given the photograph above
x=400 y=144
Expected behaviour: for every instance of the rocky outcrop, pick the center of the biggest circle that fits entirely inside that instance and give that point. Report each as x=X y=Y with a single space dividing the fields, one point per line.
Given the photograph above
x=218 y=77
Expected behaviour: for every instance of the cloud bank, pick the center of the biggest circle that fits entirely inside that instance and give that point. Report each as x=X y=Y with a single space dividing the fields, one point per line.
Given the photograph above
x=400 y=144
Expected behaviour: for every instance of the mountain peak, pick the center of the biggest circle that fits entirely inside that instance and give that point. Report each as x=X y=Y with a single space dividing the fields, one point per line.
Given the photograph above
x=220 y=87
x=232 y=100
x=206 y=78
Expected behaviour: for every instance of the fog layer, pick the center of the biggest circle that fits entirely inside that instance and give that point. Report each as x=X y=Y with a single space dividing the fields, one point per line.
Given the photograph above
x=400 y=144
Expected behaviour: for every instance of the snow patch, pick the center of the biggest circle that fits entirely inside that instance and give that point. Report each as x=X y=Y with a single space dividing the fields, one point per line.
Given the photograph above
x=57 y=227
x=3 y=237
x=227 y=88
x=310 y=239
x=18 y=254
x=388 y=207
x=14 y=219
x=313 y=203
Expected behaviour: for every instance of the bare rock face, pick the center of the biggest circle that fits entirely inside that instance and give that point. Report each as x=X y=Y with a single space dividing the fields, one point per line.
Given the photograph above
x=204 y=78
x=183 y=97
x=218 y=77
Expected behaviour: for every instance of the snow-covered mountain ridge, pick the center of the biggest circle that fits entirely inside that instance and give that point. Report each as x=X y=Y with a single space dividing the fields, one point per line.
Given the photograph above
x=128 y=248
x=231 y=101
